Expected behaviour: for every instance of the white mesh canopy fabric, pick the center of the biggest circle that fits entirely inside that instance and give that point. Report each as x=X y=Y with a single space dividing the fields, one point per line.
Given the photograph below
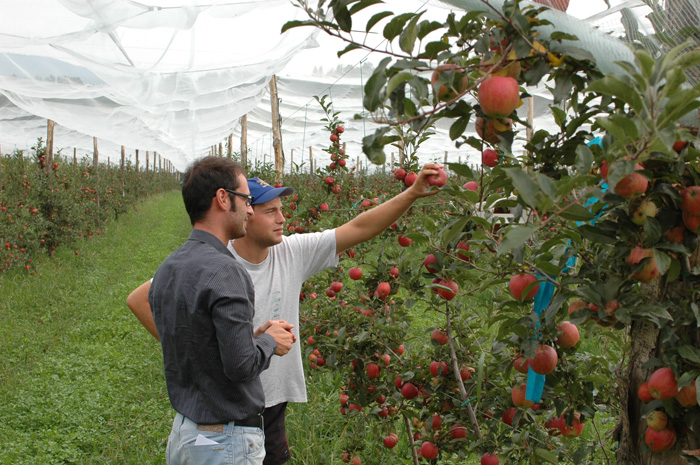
x=175 y=76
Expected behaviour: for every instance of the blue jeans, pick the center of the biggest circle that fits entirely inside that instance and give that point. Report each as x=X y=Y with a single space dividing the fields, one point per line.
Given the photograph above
x=235 y=445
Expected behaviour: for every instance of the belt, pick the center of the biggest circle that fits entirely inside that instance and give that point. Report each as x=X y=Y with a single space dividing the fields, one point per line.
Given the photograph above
x=255 y=421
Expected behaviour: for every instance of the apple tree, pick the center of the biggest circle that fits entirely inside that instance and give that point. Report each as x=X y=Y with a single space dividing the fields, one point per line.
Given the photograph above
x=604 y=237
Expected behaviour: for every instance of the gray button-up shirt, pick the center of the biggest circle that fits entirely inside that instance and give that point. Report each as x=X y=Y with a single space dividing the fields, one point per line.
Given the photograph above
x=203 y=305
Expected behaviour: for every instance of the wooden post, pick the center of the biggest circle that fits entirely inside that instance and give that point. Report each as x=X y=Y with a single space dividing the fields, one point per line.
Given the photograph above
x=311 y=159
x=276 y=128
x=530 y=118
x=244 y=140
x=96 y=171
x=392 y=161
x=230 y=145
x=401 y=153
x=160 y=162
x=48 y=158
x=137 y=159
x=291 y=162
x=147 y=161
x=123 y=159
x=75 y=156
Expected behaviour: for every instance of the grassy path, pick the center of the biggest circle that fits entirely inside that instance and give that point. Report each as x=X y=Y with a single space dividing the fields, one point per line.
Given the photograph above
x=80 y=380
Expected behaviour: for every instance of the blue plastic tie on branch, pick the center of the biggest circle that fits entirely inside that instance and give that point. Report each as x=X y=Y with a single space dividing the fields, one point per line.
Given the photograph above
x=535 y=382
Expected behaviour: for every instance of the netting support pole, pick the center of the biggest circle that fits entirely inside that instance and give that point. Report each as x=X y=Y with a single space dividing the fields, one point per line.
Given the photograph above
x=49 y=146
x=276 y=128
x=244 y=140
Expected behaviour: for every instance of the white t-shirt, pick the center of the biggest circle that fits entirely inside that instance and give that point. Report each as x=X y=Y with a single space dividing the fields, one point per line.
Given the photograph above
x=278 y=281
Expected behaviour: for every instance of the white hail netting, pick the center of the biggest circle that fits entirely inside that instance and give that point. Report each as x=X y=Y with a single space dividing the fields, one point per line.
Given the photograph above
x=175 y=76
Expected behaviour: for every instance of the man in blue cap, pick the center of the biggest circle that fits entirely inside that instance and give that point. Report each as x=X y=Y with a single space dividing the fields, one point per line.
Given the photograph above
x=278 y=266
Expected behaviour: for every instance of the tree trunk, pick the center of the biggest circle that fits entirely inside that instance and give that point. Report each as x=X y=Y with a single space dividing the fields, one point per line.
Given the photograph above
x=644 y=344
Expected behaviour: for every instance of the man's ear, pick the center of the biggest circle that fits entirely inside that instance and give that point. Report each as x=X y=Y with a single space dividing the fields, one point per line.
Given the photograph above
x=221 y=200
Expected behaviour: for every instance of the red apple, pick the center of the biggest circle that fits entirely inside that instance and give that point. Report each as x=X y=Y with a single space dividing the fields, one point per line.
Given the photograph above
x=355 y=273
x=570 y=431
x=498 y=96
x=518 y=396
x=644 y=394
x=465 y=247
x=489 y=129
x=391 y=440
x=691 y=200
x=545 y=360
x=576 y=305
x=373 y=370
x=410 y=179
x=438 y=369
x=521 y=364
x=428 y=261
x=439 y=179
x=687 y=395
x=458 y=431
x=404 y=241
x=429 y=451
x=659 y=441
x=489 y=157
x=383 y=290
x=337 y=286
x=446 y=93
x=489 y=459
x=445 y=293
x=400 y=173
x=471 y=186
x=663 y=384
x=649 y=271
x=632 y=185
x=519 y=282
x=569 y=336
x=692 y=222
x=657 y=420
x=439 y=336
x=409 y=391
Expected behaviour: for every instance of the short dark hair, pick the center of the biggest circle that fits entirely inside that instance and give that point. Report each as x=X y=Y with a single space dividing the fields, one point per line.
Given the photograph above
x=203 y=178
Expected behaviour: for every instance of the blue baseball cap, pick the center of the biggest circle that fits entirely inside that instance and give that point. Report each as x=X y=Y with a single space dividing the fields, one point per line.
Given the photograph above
x=262 y=192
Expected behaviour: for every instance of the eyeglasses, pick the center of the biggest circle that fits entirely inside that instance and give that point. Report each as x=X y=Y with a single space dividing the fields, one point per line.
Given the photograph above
x=248 y=198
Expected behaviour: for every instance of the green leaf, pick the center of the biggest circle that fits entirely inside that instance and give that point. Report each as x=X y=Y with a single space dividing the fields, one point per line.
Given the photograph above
x=342 y=16
x=558 y=35
x=546 y=455
x=373 y=99
x=347 y=49
x=292 y=24
x=359 y=6
x=577 y=212
x=690 y=353
x=458 y=127
x=454 y=229
x=433 y=49
x=616 y=87
x=526 y=187
x=584 y=159
x=396 y=80
x=663 y=261
x=373 y=146
x=462 y=170
x=376 y=18
x=426 y=27
x=407 y=39
x=559 y=115
x=595 y=234
x=396 y=26
x=547 y=185
x=514 y=237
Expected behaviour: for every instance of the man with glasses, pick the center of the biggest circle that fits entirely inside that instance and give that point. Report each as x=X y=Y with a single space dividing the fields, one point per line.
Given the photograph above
x=203 y=306
x=278 y=266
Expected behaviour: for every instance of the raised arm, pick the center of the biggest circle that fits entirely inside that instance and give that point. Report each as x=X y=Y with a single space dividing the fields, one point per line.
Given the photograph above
x=138 y=303
x=369 y=224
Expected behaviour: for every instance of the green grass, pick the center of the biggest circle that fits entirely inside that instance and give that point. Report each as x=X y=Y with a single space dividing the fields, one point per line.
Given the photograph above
x=81 y=381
